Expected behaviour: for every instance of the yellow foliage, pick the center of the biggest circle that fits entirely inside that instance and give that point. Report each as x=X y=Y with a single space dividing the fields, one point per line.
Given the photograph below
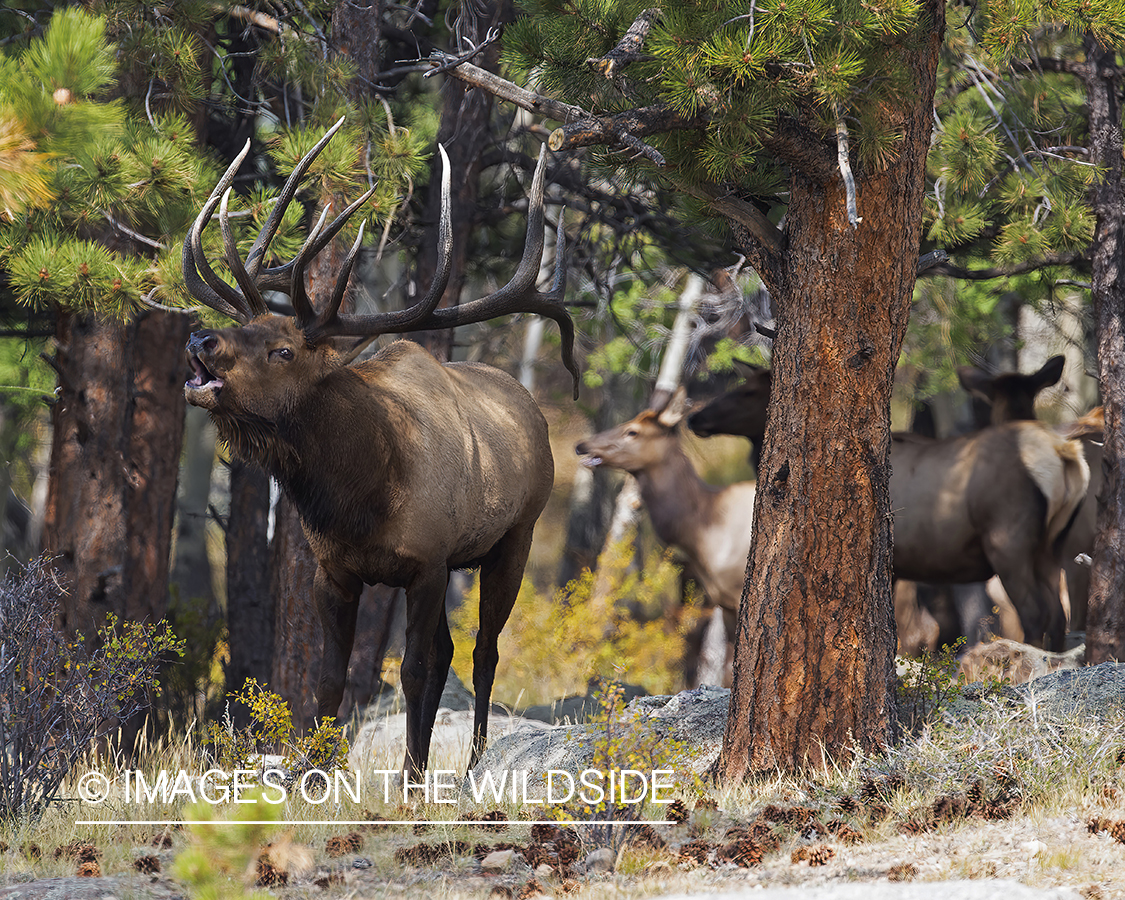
x=23 y=170
x=615 y=624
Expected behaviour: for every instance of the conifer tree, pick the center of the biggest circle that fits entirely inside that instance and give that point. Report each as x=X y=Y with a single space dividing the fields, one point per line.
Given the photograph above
x=805 y=124
x=111 y=169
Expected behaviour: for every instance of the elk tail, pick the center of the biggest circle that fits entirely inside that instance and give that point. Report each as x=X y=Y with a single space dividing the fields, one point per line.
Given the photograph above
x=1058 y=467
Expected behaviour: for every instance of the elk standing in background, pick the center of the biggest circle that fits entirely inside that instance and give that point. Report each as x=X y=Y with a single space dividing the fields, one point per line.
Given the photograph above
x=401 y=468
x=993 y=502
x=709 y=525
x=1011 y=397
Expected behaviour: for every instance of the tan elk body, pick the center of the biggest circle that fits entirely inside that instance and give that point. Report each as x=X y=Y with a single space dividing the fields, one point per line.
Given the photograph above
x=401 y=468
x=709 y=525
x=993 y=502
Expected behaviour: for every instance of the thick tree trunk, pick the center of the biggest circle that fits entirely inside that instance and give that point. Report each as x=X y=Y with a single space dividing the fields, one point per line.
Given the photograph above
x=1105 y=627
x=115 y=459
x=297 y=633
x=466 y=133
x=250 y=602
x=191 y=572
x=814 y=663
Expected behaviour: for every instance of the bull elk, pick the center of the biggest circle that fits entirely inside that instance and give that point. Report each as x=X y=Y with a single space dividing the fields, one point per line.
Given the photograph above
x=401 y=468
x=997 y=501
x=709 y=525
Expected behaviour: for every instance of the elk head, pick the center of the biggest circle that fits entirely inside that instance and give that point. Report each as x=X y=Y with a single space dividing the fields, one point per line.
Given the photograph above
x=741 y=410
x=1010 y=396
x=641 y=443
x=255 y=373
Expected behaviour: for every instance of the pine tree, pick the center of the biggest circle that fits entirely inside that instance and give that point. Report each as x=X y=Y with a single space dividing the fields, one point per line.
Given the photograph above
x=806 y=125
x=109 y=173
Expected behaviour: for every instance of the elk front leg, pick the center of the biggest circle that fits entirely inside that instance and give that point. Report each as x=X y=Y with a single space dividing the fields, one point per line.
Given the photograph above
x=500 y=578
x=337 y=602
x=425 y=662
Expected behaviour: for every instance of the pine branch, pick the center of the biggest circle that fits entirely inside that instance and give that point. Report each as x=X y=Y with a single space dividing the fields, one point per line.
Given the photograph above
x=624 y=129
x=1055 y=259
x=628 y=49
x=737 y=210
x=504 y=89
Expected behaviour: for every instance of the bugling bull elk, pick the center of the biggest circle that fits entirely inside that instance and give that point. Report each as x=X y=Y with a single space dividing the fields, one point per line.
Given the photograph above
x=710 y=525
x=401 y=468
x=996 y=501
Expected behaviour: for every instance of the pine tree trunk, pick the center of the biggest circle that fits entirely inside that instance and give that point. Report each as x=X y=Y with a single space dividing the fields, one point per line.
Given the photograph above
x=814 y=661
x=115 y=459
x=1105 y=626
x=250 y=602
x=191 y=572
x=466 y=133
x=297 y=633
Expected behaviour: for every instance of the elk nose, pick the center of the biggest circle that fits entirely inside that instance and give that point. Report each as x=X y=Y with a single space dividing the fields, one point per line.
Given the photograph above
x=201 y=342
x=581 y=448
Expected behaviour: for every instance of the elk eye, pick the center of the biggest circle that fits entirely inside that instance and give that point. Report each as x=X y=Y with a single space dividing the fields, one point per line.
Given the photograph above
x=282 y=353
x=632 y=432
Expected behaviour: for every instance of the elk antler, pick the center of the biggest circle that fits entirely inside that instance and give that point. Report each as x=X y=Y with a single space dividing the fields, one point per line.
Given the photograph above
x=246 y=301
x=518 y=295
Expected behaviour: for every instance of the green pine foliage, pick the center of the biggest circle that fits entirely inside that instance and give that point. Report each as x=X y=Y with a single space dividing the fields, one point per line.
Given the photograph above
x=109 y=182
x=806 y=59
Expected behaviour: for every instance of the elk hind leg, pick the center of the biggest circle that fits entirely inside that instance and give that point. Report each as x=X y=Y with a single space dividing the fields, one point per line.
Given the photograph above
x=425 y=662
x=337 y=601
x=500 y=578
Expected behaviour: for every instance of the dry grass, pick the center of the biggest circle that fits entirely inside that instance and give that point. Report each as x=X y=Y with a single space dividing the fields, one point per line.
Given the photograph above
x=920 y=812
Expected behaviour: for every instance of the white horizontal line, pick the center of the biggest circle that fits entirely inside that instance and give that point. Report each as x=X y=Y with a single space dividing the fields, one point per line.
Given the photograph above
x=340 y=822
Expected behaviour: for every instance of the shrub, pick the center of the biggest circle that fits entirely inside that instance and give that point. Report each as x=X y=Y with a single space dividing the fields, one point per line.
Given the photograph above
x=57 y=697
x=557 y=644
x=271 y=731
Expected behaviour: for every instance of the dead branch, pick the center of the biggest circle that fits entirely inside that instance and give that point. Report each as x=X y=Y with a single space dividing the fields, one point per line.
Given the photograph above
x=628 y=49
x=504 y=89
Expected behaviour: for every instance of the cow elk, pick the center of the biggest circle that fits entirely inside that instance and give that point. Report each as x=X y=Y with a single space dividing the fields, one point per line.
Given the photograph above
x=997 y=501
x=401 y=468
x=709 y=525
x=1011 y=397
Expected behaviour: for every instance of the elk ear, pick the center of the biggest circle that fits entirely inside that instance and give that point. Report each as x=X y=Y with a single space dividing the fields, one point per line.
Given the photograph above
x=674 y=411
x=976 y=382
x=747 y=370
x=1049 y=374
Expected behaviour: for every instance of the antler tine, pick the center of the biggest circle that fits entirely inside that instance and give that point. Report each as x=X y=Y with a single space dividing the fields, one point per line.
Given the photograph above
x=330 y=322
x=298 y=296
x=250 y=292
x=257 y=252
x=201 y=280
x=333 y=308
x=279 y=278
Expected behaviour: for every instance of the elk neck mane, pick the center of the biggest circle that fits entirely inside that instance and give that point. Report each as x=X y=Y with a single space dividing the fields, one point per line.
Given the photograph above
x=333 y=453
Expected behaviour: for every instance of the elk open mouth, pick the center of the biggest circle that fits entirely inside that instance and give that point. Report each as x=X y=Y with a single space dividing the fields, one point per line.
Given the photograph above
x=591 y=461
x=203 y=379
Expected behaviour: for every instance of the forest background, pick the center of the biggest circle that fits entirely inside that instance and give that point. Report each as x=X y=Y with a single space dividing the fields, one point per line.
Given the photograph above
x=116 y=118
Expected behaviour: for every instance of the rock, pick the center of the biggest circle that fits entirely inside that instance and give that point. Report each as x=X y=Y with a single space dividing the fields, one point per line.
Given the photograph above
x=600 y=861
x=382 y=733
x=576 y=709
x=696 y=717
x=1004 y=659
x=498 y=861
x=1092 y=690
